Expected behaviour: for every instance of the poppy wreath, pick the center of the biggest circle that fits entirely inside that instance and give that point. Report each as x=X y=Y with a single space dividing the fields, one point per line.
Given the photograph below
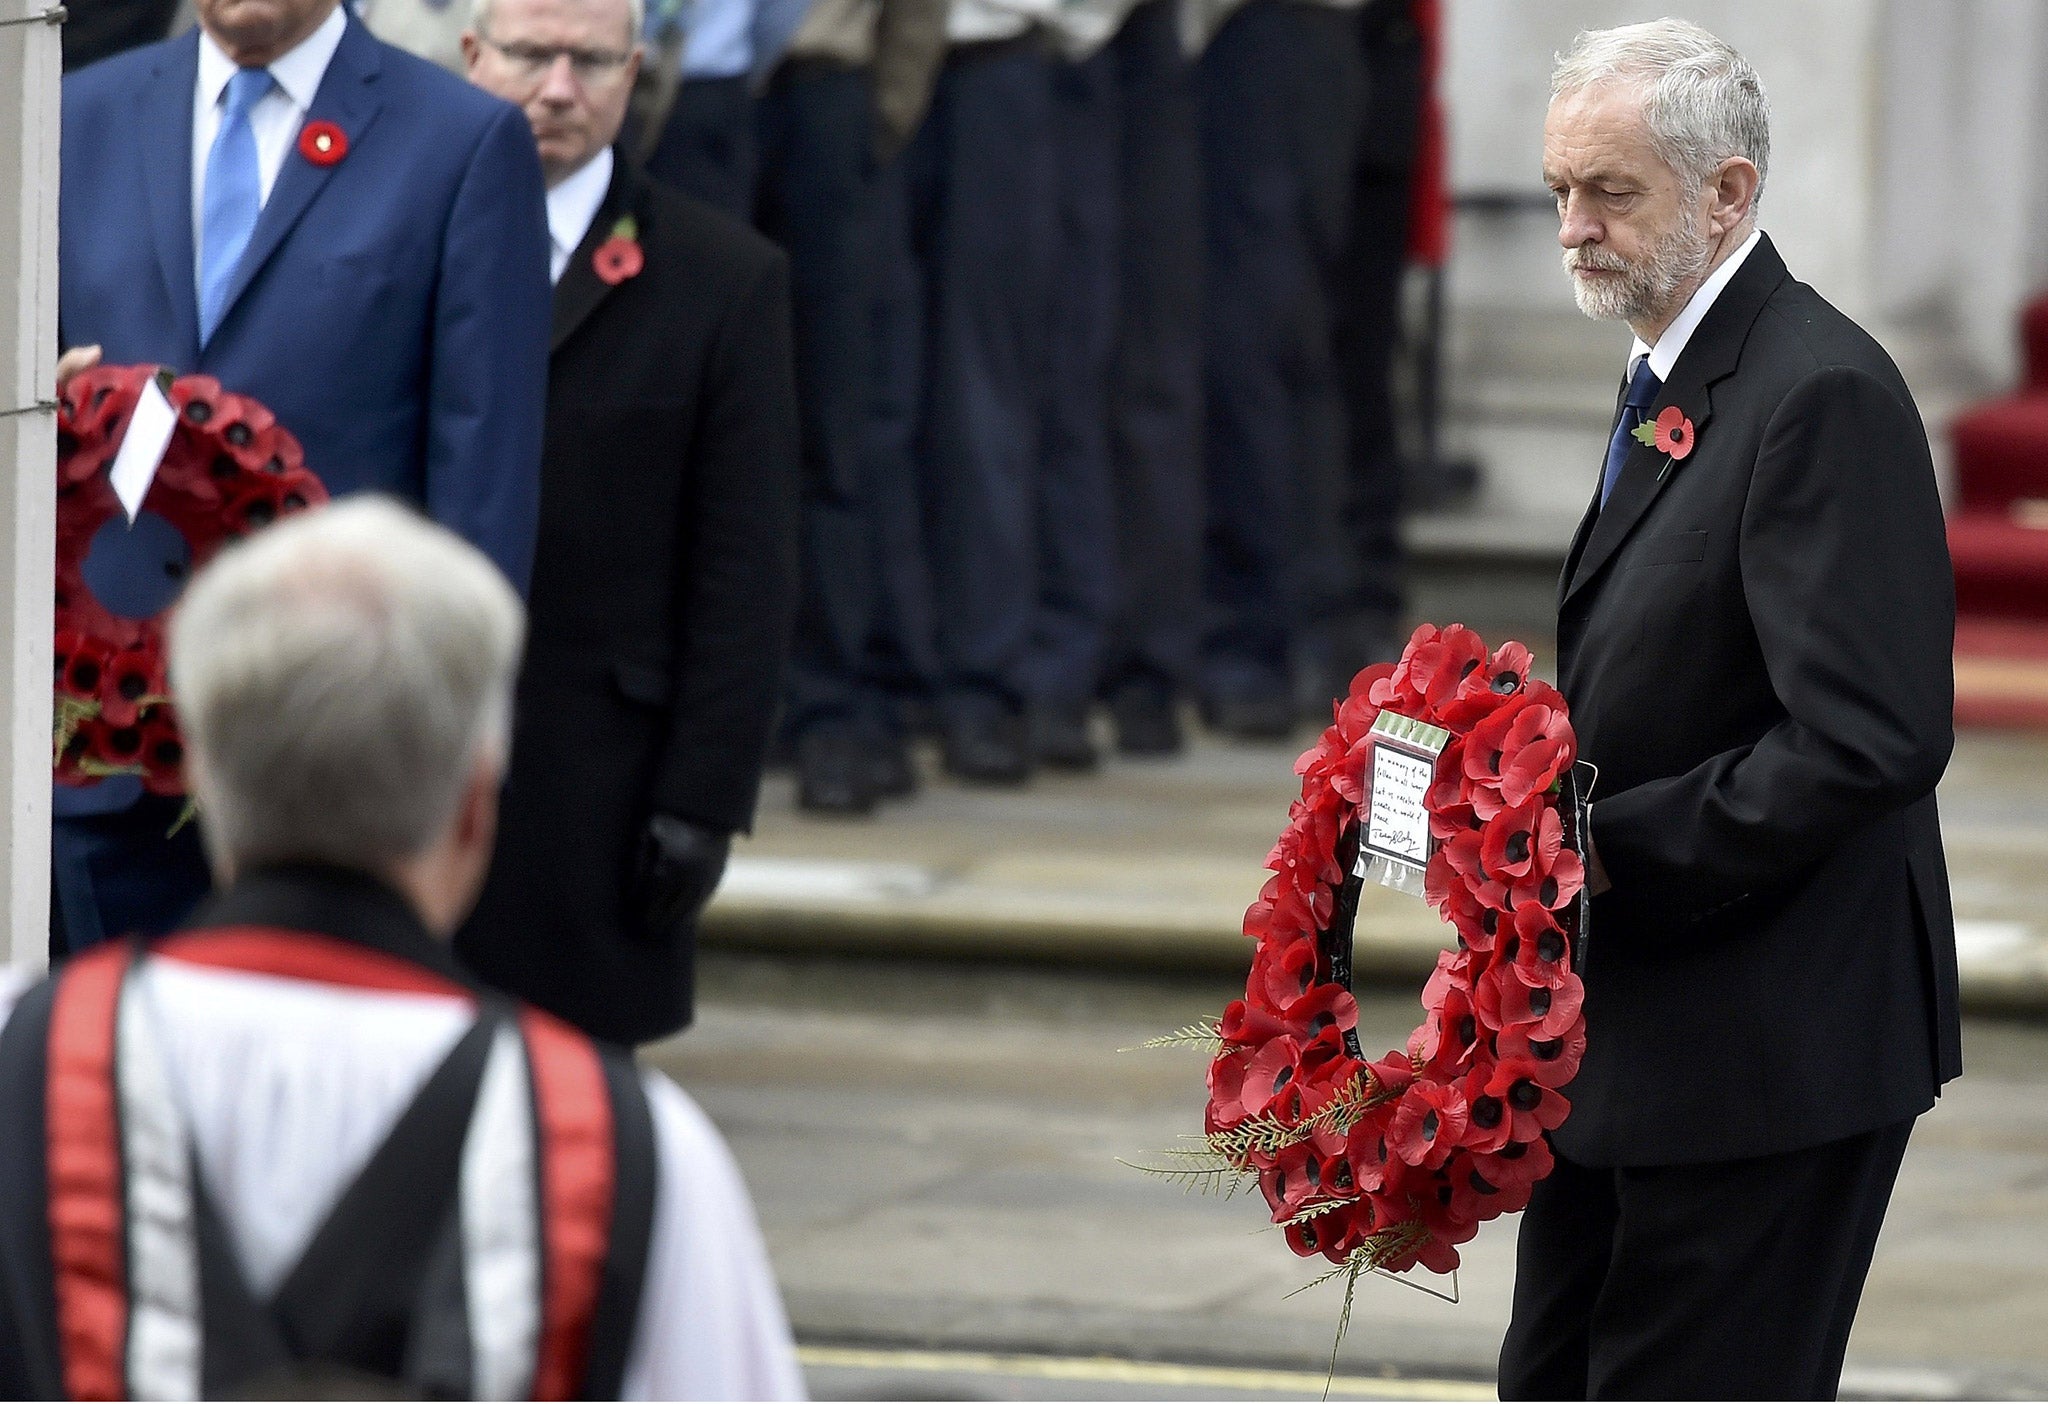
x=230 y=469
x=1380 y=1166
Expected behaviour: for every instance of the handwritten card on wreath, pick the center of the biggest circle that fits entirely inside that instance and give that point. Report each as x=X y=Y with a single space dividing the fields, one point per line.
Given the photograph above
x=1394 y=841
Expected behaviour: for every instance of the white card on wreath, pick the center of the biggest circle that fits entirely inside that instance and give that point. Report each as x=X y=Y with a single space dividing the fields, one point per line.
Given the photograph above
x=142 y=447
x=1394 y=841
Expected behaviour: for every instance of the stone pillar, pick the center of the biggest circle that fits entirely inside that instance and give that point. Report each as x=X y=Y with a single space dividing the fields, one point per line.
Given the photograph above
x=29 y=78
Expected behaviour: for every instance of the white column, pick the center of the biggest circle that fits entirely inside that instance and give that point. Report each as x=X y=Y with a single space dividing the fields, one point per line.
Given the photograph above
x=28 y=440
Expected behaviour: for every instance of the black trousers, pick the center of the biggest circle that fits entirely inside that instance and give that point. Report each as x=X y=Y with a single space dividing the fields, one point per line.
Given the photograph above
x=1731 y=1280
x=1280 y=89
x=1156 y=378
x=817 y=191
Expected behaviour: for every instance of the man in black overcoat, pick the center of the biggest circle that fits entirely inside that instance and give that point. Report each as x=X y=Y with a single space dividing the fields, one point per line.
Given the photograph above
x=1754 y=636
x=666 y=577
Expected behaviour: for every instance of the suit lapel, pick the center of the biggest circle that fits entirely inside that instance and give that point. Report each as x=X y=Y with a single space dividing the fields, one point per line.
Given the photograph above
x=348 y=98
x=581 y=290
x=163 y=139
x=1710 y=356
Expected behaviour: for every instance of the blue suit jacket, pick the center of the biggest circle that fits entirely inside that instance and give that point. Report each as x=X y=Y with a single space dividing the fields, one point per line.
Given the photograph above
x=392 y=309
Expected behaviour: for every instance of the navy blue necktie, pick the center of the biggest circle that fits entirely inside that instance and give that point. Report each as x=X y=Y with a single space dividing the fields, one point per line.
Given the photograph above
x=1643 y=386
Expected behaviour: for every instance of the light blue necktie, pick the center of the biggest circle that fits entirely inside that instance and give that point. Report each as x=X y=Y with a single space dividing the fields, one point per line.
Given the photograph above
x=233 y=196
x=1643 y=386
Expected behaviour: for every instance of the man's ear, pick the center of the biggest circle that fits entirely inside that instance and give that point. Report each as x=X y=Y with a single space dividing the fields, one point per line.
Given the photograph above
x=1733 y=192
x=471 y=48
x=476 y=816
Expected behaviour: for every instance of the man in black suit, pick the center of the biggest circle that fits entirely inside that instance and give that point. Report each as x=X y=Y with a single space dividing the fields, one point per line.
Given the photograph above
x=1754 y=636
x=665 y=580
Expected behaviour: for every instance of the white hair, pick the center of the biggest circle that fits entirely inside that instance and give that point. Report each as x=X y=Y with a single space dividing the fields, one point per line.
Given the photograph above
x=1702 y=102
x=636 y=15
x=339 y=676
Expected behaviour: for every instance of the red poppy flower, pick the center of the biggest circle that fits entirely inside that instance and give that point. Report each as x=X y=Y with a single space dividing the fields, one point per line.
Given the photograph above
x=1675 y=434
x=1365 y=1150
x=1540 y=749
x=1449 y=1037
x=1516 y=1166
x=323 y=143
x=131 y=676
x=196 y=398
x=1487 y=1123
x=1542 y=951
x=1520 y=839
x=1555 y=889
x=1505 y=1001
x=1532 y=1107
x=85 y=669
x=1553 y=1062
x=117 y=745
x=619 y=257
x=1246 y=1025
x=1291 y=1181
x=1477 y=924
x=1282 y=973
x=1391 y=1076
x=1226 y=1089
x=1434 y=667
x=163 y=753
x=1427 y=1124
x=1438 y=1251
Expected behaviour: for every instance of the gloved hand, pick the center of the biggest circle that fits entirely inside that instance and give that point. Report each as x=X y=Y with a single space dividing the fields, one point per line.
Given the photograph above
x=680 y=865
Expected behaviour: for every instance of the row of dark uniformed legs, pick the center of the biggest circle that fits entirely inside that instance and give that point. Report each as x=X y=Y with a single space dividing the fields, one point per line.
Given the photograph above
x=1017 y=503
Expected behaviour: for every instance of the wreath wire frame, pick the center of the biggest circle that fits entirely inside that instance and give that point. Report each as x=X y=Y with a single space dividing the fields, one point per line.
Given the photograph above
x=230 y=469
x=1381 y=1166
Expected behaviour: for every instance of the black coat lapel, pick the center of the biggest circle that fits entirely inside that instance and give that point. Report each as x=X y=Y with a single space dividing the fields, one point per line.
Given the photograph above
x=1710 y=356
x=581 y=290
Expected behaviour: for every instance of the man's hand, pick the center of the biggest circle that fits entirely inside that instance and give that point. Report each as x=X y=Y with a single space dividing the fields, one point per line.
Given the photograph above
x=680 y=865
x=78 y=358
x=1596 y=872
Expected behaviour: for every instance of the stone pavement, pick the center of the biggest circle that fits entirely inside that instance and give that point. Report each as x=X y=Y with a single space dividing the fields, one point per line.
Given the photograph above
x=934 y=1148
x=1148 y=866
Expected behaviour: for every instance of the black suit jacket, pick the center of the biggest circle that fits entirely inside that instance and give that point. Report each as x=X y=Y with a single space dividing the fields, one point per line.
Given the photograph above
x=1756 y=643
x=663 y=591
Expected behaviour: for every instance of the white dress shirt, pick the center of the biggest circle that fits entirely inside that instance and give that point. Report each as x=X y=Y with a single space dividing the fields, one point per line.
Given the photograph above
x=274 y=121
x=289 y=1086
x=1664 y=355
x=572 y=204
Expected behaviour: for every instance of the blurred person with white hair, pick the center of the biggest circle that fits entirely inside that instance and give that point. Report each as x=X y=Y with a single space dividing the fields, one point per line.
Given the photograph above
x=1754 y=634
x=292 y=1145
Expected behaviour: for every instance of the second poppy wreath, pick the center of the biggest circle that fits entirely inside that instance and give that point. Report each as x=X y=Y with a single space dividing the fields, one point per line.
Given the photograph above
x=1450 y=774
x=228 y=468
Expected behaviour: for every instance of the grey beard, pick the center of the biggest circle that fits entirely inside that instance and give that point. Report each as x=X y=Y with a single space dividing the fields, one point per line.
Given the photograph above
x=1645 y=288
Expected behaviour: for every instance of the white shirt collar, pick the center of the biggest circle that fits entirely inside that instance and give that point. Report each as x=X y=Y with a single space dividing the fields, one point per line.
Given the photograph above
x=298 y=72
x=573 y=203
x=1664 y=355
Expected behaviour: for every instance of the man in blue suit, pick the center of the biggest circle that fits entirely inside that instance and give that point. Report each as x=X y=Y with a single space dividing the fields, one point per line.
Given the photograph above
x=341 y=230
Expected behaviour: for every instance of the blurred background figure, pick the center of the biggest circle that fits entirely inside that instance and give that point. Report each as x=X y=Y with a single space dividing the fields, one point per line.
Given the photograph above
x=389 y=306
x=1355 y=615
x=962 y=341
x=1155 y=381
x=836 y=111
x=666 y=575
x=1282 y=87
x=336 y=1134
x=706 y=147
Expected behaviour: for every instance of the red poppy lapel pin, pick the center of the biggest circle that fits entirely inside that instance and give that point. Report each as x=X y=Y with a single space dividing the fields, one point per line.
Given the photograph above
x=619 y=257
x=323 y=143
x=1671 y=434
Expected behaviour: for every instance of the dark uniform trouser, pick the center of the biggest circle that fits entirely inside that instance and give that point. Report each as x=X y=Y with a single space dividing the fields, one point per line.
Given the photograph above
x=706 y=149
x=978 y=186
x=1077 y=504
x=1364 y=506
x=1280 y=92
x=1732 y=1280
x=123 y=873
x=1156 y=377
x=817 y=188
